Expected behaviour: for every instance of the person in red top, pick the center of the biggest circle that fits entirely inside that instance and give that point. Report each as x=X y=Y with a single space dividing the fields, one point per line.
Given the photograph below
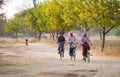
x=85 y=42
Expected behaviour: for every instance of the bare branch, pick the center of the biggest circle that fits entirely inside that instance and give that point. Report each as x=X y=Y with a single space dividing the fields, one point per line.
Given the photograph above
x=109 y=29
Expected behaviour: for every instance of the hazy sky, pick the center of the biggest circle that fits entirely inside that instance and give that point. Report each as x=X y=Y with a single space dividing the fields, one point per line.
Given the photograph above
x=14 y=6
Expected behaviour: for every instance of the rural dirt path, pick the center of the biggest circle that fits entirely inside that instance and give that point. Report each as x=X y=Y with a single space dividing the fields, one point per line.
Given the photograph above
x=40 y=60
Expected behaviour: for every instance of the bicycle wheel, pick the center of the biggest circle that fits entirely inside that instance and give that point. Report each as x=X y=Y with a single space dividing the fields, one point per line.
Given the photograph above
x=61 y=55
x=74 y=55
x=85 y=59
x=85 y=56
x=88 y=57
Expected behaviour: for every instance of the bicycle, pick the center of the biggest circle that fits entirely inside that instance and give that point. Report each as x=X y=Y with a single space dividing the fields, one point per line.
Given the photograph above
x=87 y=55
x=72 y=52
x=61 y=51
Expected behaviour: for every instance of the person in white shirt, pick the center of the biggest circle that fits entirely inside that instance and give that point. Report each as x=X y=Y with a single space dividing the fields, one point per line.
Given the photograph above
x=26 y=40
x=73 y=43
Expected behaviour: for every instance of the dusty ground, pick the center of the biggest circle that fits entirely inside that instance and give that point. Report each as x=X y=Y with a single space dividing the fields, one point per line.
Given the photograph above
x=40 y=60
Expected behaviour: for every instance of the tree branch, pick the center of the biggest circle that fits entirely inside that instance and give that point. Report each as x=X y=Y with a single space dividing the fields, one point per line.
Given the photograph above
x=109 y=29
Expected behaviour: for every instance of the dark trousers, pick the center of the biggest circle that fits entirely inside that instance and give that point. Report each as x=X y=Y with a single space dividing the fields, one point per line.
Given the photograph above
x=85 y=47
x=26 y=42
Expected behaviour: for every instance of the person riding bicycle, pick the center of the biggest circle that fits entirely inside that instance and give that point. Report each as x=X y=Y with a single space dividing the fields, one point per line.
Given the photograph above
x=85 y=41
x=72 y=43
x=61 y=42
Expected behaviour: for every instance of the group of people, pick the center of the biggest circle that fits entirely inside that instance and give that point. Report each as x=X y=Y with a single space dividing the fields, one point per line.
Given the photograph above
x=72 y=41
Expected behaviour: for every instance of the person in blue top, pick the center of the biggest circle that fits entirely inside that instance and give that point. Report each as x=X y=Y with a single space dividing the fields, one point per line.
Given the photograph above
x=61 y=43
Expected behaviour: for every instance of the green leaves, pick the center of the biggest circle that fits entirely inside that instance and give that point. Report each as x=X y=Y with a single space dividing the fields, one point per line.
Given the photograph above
x=15 y=25
x=65 y=15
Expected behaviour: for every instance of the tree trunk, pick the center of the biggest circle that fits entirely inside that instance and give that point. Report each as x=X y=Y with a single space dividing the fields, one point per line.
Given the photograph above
x=39 y=36
x=100 y=35
x=16 y=36
x=104 y=34
x=53 y=35
x=86 y=27
x=34 y=3
x=50 y=35
x=103 y=40
x=57 y=33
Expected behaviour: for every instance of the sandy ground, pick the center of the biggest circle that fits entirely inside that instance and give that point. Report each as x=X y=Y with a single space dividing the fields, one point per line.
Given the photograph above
x=40 y=60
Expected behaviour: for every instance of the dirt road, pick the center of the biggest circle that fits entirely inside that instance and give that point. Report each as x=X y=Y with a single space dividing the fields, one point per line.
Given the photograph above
x=40 y=60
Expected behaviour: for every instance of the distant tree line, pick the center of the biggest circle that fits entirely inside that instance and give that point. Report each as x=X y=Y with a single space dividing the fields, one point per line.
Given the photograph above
x=2 y=19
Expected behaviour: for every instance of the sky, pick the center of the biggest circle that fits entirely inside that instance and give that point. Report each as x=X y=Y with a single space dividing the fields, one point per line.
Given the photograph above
x=14 y=6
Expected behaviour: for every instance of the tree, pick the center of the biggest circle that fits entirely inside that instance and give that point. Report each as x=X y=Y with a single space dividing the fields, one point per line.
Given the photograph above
x=34 y=3
x=2 y=19
x=105 y=15
x=36 y=20
x=1 y=2
x=41 y=19
x=64 y=15
x=2 y=23
x=53 y=12
x=30 y=20
x=15 y=25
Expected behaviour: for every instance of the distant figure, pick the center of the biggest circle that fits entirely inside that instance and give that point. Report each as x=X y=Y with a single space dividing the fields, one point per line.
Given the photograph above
x=26 y=40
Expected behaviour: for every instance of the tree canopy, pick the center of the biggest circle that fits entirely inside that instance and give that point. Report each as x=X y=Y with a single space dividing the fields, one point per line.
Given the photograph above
x=65 y=15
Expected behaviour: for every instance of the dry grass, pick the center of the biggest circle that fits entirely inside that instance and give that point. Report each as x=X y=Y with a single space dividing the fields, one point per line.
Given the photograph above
x=112 y=46
x=13 y=41
x=51 y=43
